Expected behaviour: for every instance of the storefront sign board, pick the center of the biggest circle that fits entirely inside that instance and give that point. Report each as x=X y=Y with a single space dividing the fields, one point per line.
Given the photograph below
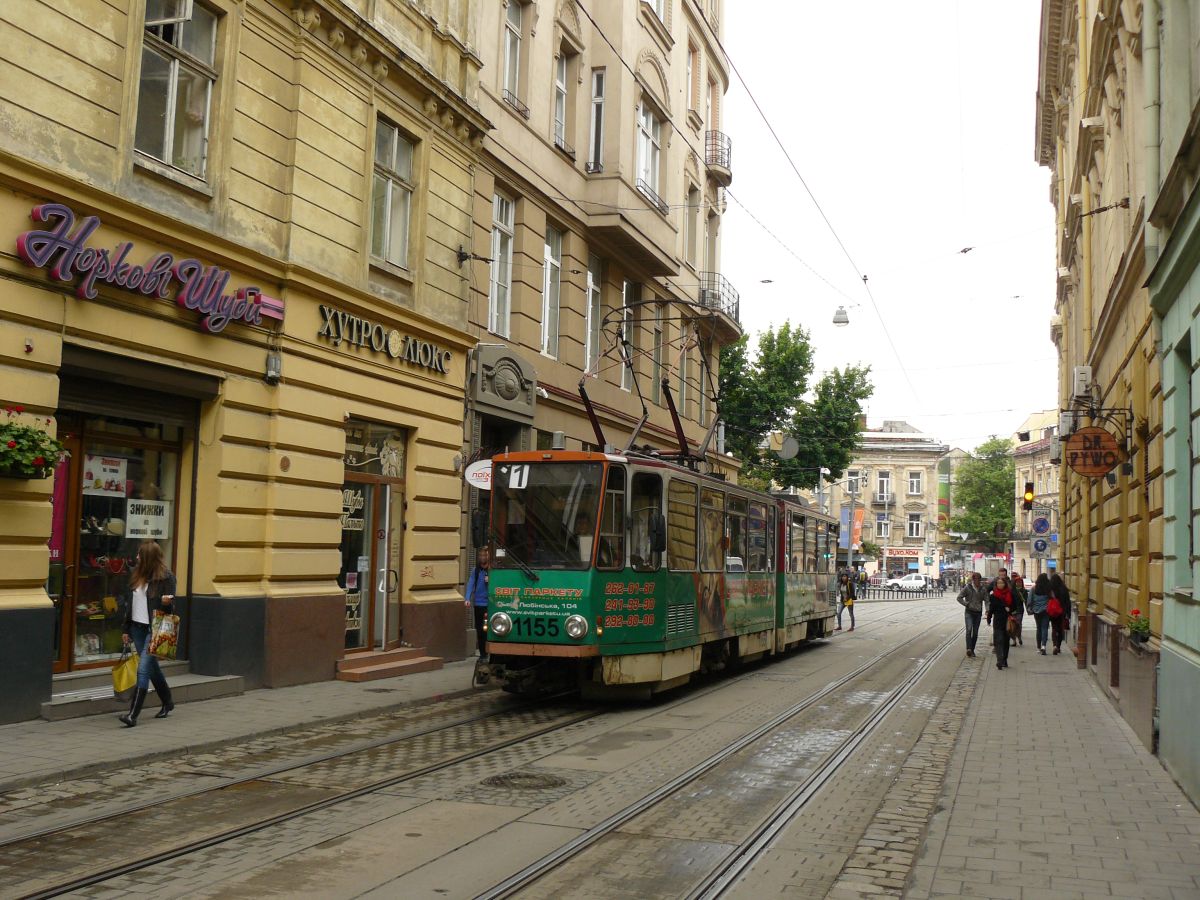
x=104 y=476
x=63 y=249
x=1093 y=452
x=479 y=475
x=338 y=327
x=148 y=519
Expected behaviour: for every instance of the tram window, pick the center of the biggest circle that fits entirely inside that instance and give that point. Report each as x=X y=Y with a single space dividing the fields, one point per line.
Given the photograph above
x=712 y=531
x=681 y=526
x=771 y=547
x=796 y=541
x=646 y=503
x=810 y=547
x=539 y=510
x=736 y=525
x=822 y=549
x=610 y=551
x=756 y=538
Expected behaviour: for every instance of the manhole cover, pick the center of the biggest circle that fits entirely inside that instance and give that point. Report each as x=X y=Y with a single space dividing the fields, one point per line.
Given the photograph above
x=525 y=781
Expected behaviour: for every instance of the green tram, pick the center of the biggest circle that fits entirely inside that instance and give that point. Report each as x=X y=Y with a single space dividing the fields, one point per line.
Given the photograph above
x=628 y=574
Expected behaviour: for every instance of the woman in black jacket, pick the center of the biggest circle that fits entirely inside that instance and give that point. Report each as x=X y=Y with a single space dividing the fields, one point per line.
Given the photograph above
x=1059 y=610
x=1000 y=605
x=151 y=588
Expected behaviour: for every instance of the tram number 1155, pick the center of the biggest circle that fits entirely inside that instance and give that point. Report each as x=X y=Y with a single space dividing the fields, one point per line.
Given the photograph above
x=535 y=626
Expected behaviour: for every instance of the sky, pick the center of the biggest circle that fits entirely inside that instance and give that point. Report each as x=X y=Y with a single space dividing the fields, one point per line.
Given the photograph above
x=913 y=127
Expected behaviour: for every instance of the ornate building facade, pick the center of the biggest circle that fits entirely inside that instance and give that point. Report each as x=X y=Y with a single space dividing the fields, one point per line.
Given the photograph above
x=231 y=288
x=1035 y=462
x=1090 y=134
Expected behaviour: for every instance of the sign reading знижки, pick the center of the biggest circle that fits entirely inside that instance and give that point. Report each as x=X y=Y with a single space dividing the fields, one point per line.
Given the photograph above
x=63 y=249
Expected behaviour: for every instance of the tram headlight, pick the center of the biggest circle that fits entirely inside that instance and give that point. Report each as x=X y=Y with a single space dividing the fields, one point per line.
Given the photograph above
x=576 y=627
x=500 y=624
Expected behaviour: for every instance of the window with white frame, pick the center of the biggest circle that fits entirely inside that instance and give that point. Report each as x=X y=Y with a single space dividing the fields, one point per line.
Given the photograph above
x=703 y=372
x=175 y=87
x=914 y=525
x=596 y=136
x=882 y=526
x=711 y=109
x=915 y=479
x=649 y=143
x=630 y=294
x=852 y=485
x=883 y=484
x=595 y=274
x=660 y=9
x=500 y=295
x=513 y=32
x=551 y=290
x=693 y=77
x=563 y=66
x=656 y=354
x=691 y=225
x=685 y=358
x=391 y=196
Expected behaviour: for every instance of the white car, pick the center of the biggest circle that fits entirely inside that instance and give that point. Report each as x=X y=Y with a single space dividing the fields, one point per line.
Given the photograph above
x=913 y=581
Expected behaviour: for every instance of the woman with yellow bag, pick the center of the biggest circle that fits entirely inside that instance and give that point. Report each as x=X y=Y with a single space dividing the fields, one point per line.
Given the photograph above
x=151 y=590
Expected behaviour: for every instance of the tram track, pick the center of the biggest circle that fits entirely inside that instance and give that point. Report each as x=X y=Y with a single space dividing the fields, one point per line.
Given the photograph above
x=748 y=850
x=87 y=828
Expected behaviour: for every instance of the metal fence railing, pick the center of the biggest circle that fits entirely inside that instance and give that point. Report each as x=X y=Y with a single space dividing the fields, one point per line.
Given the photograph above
x=871 y=592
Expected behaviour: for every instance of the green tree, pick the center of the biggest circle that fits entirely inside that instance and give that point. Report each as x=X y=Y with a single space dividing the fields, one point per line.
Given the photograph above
x=983 y=490
x=871 y=551
x=767 y=394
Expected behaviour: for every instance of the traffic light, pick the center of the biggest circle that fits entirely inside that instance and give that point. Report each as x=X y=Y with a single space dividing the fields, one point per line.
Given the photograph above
x=1027 y=499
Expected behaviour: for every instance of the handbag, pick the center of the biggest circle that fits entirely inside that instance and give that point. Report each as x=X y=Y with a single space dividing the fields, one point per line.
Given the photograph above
x=124 y=673
x=1012 y=626
x=164 y=635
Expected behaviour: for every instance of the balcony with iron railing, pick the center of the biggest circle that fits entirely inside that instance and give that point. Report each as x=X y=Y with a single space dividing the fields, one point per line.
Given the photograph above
x=884 y=498
x=718 y=294
x=650 y=194
x=718 y=151
x=512 y=100
x=563 y=147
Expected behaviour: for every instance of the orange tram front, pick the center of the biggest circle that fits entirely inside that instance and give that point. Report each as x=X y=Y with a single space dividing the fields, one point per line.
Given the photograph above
x=627 y=575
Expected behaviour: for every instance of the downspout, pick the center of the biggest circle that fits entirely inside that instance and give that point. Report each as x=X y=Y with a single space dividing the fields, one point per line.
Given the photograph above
x=1151 y=62
x=1085 y=199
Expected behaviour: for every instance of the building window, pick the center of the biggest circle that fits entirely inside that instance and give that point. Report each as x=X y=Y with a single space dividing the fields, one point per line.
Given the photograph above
x=884 y=485
x=703 y=386
x=914 y=525
x=711 y=107
x=564 y=125
x=914 y=483
x=711 y=263
x=660 y=10
x=684 y=366
x=175 y=89
x=551 y=290
x=596 y=138
x=693 y=78
x=852 y=485
x=691 y=225
x=391 y=199
x=513 y=32
x=882 y=526
x=649 y=143
x=630 y=294
x=656 y=355
x=595 y=274
x=500 y=296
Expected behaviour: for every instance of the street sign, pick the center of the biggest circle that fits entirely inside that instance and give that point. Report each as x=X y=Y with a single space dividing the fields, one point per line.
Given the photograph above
x=929 y=560
x=1054 y=538
x=1040 y=546
x=1041 y=525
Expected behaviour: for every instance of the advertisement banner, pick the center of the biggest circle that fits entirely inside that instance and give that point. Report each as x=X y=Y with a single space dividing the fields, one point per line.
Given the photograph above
x=148 y=519
x=851 y=536
x=104 y=476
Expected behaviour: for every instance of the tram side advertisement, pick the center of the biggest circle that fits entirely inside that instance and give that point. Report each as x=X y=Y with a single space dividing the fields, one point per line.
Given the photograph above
x=618 y=609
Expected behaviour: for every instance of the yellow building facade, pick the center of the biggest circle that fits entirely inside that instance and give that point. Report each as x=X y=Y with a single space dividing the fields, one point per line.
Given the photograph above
x=1090 y=134
x=229 y=284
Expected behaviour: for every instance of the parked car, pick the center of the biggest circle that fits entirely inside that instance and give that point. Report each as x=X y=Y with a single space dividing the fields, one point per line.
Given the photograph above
x=913 y=581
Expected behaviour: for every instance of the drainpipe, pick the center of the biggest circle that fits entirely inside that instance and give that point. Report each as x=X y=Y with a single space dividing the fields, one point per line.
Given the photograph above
x=1151 y=66
x=1084 y=602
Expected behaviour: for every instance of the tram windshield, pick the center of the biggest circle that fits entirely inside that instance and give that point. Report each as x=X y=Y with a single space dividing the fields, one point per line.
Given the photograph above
x=544 y=514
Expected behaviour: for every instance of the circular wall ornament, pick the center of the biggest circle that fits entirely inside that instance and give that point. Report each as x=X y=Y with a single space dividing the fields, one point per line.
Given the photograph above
x=507 y=381
x=394 y=343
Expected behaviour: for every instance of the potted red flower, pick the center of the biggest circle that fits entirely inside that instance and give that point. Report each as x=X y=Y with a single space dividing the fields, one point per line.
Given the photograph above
x=26 y=450
x=1139 y=627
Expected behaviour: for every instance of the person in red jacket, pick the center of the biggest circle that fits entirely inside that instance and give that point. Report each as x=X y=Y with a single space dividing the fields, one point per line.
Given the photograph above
x=1000 y=605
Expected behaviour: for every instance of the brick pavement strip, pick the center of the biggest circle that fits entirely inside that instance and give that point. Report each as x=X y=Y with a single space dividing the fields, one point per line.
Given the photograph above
x=884 y=857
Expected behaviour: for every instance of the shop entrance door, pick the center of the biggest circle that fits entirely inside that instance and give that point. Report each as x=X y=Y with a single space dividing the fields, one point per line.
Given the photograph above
x=372 y=525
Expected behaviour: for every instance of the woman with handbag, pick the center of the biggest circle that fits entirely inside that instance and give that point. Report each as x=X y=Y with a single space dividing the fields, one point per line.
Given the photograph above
x=1039 y=599
x=1000 y=604
x=1059 y=610
x=151 y=589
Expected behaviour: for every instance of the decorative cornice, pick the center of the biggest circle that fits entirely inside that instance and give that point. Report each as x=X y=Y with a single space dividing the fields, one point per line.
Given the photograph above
x=1049 y=78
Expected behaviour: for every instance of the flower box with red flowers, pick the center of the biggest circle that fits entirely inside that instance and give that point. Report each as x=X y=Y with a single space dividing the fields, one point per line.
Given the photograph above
x=1139 y=626
x=26 y=450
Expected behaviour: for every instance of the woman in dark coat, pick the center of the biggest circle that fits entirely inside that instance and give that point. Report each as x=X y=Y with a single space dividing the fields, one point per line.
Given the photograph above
x=1059 y=610
x=151 y=588
x=1000 y=604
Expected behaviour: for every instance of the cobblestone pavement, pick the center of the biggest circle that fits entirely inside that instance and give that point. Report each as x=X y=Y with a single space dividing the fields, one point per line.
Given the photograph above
x=1050 y=796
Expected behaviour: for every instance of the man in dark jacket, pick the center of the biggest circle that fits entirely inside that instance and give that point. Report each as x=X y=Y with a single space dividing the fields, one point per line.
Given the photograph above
x=972 y=598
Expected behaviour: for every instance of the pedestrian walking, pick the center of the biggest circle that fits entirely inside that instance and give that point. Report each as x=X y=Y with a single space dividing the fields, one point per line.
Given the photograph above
x=1020 y=595
x=1058 y=608
x=477 y=596
x=972 y=598
x=846 y=595
x=1000 y=604
x=151 y=589
x=1039 y=599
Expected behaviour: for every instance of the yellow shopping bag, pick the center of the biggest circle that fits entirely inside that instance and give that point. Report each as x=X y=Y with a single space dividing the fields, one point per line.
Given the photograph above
x=124 y=673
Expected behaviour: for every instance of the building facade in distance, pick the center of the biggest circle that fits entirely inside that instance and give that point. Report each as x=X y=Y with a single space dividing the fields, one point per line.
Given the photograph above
x=231 y=288
x=1035 y=462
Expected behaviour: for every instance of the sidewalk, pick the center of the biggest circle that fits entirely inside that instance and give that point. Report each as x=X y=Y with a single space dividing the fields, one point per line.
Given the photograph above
x=39 y=751
x=1050 y=796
